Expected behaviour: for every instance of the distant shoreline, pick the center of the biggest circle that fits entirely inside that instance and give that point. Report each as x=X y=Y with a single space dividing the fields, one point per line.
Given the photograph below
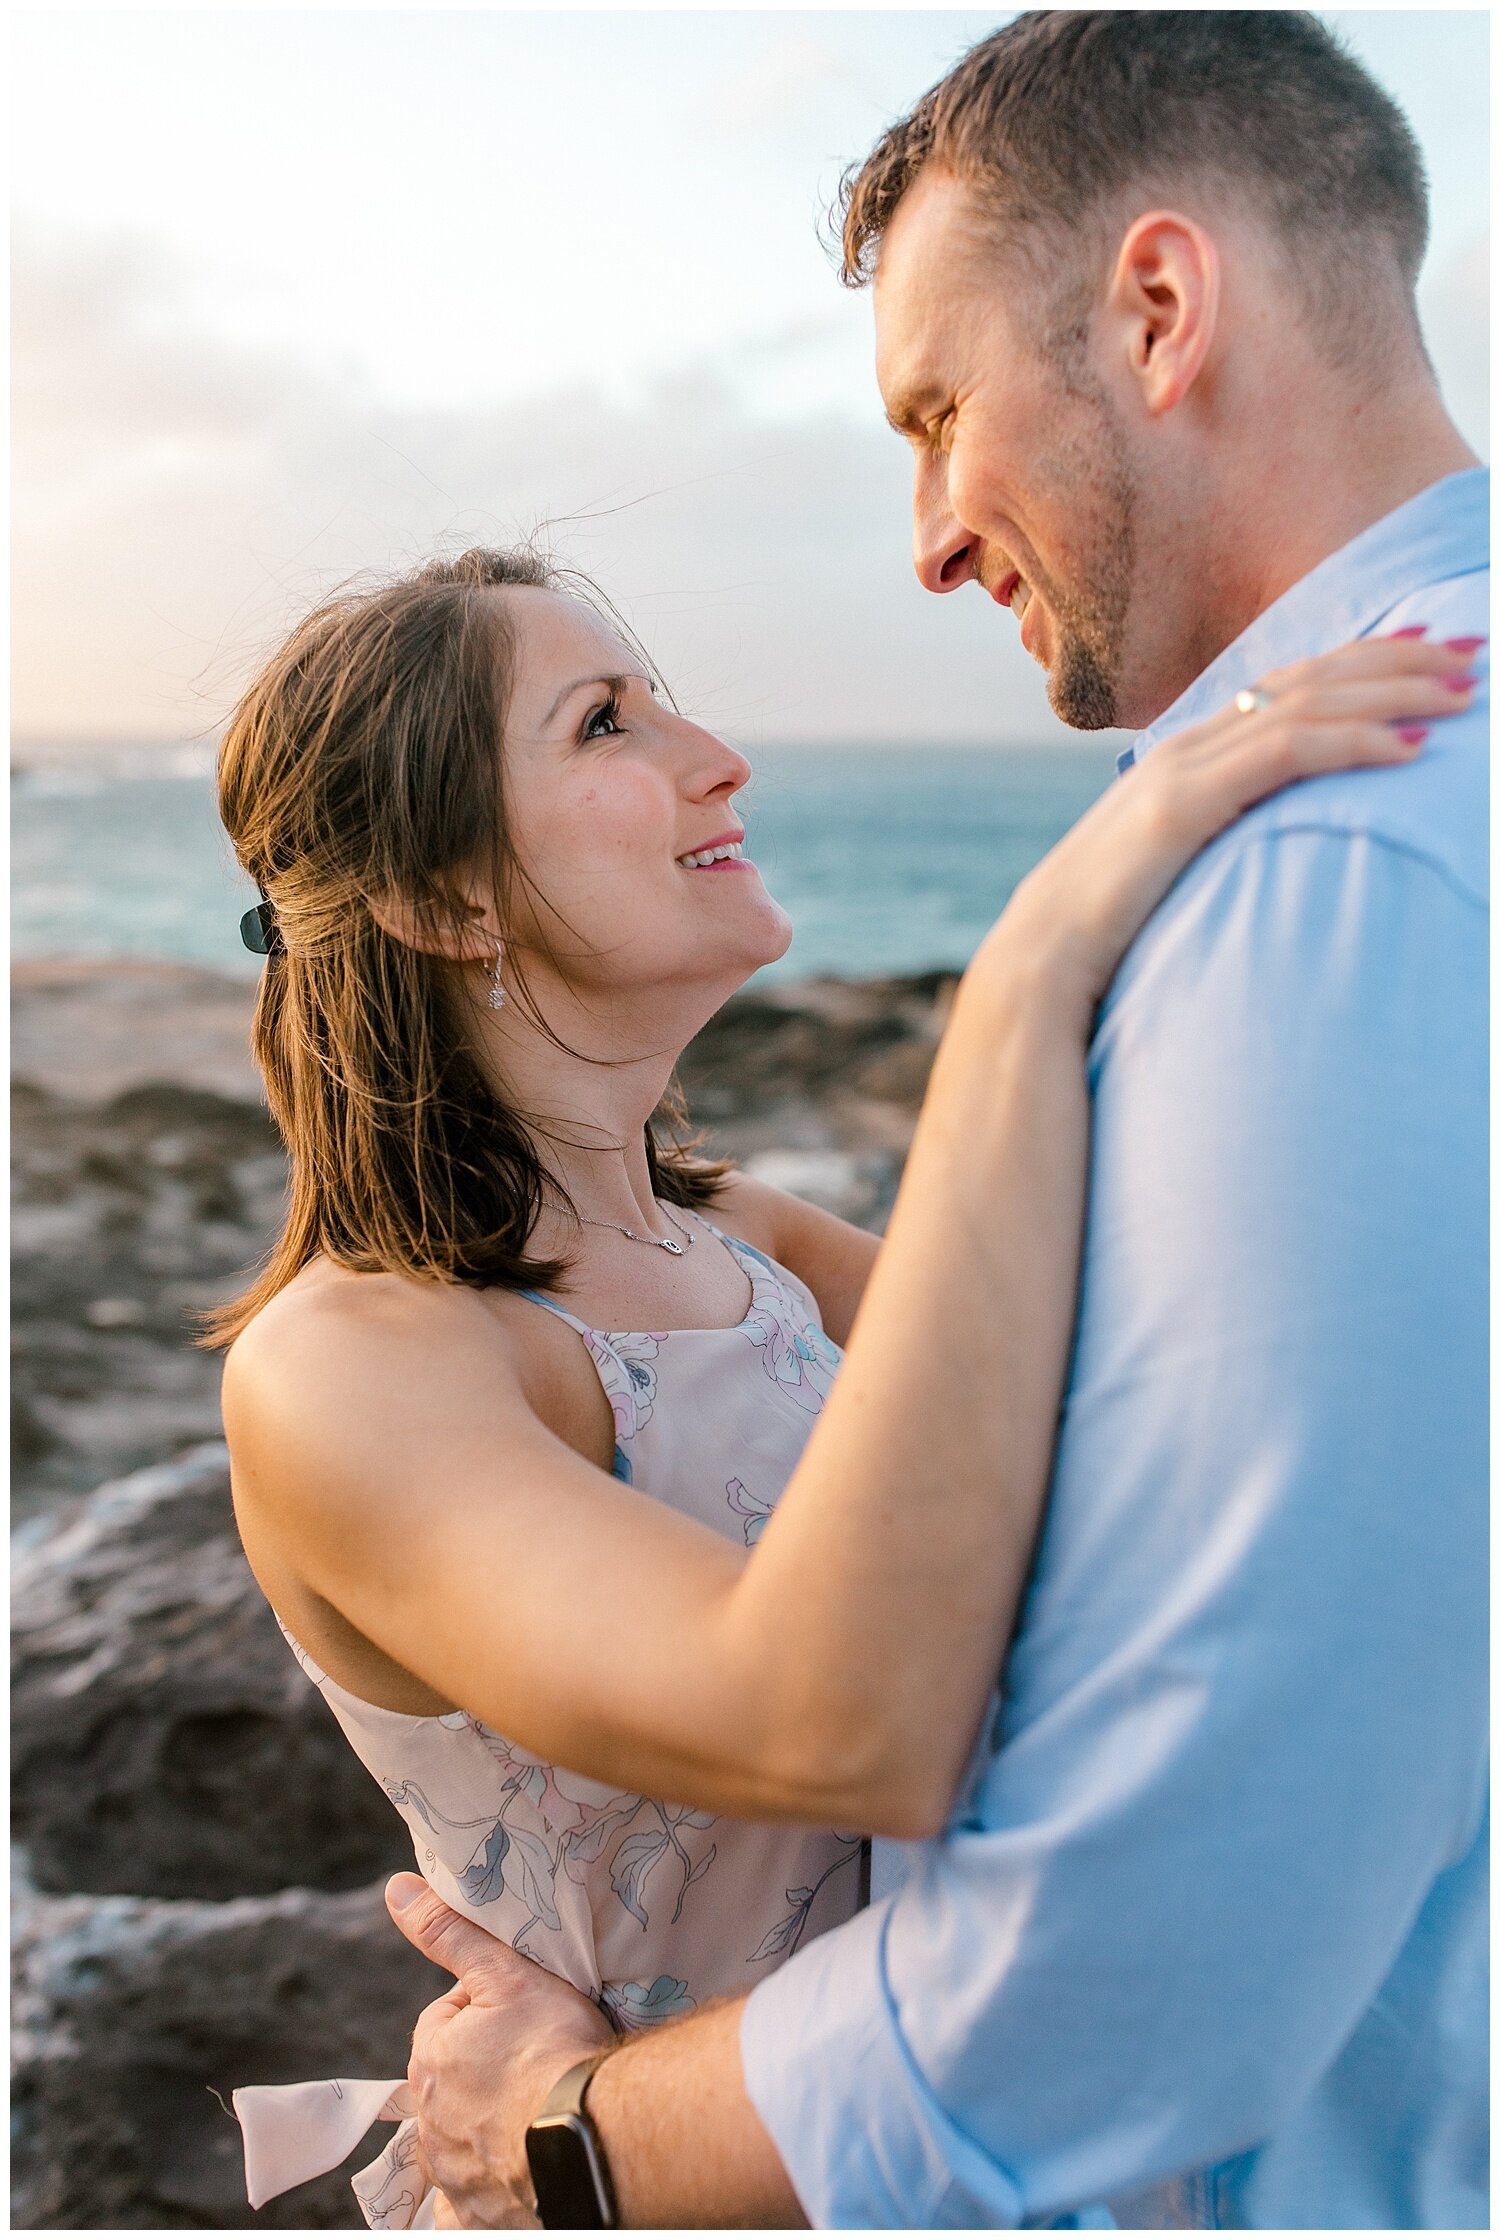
x=93 y=1028
x=89 y=1028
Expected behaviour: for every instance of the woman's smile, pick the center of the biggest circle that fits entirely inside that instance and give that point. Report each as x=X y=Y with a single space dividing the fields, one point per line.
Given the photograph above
x=722 y=854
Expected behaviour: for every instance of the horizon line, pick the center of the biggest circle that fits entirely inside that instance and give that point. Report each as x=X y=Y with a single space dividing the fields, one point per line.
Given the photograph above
x=34 y=749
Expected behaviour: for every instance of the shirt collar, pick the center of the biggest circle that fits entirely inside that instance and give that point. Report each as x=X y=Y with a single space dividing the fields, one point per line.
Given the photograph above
x=1441 y=533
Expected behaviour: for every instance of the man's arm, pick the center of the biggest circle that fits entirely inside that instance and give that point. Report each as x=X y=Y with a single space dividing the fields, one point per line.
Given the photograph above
x=683 y=2139
x=1243 y=1730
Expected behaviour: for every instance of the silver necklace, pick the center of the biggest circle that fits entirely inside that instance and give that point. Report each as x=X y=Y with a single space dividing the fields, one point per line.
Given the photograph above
x=662 y=1244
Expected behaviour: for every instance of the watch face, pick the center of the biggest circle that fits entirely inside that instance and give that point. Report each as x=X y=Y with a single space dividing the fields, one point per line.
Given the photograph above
x=570 y=2185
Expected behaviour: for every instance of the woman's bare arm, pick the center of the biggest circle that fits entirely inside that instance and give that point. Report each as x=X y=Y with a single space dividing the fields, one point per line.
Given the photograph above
x=394 y=1451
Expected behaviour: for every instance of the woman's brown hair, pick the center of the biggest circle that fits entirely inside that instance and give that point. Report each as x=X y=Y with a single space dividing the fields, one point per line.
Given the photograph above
x=365 y=761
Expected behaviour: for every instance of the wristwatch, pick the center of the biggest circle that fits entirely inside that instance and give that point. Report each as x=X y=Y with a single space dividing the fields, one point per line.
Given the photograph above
x=566 y=2154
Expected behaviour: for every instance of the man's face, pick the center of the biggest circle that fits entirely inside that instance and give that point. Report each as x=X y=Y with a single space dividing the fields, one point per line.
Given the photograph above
x=1024 y=482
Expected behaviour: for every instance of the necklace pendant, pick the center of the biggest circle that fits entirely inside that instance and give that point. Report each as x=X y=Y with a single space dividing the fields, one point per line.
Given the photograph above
x=667 y=1245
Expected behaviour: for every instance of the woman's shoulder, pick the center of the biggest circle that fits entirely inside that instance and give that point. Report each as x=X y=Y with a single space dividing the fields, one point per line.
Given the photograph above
x=337 y=1343
x=325 y=1309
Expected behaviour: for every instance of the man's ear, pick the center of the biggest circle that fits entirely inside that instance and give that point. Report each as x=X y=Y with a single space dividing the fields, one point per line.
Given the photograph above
x=1164 y=296
x=461 y=935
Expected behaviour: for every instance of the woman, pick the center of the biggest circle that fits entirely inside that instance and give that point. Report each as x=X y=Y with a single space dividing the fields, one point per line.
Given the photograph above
x=506 y=886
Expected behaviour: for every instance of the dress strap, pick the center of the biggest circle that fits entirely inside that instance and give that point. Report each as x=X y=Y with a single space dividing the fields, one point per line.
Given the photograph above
x=620 y=1360
x=540 y=1299
x=745 y=1255
x=769 y=1280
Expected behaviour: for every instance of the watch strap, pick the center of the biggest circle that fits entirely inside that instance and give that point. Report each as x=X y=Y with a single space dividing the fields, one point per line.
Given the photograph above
x=566 y=2096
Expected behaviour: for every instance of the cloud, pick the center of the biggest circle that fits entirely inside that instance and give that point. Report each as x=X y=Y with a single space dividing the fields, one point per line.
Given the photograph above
x=180 y=498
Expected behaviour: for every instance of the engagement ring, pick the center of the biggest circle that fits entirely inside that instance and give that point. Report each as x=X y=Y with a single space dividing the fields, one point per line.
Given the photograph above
x=1252 y=701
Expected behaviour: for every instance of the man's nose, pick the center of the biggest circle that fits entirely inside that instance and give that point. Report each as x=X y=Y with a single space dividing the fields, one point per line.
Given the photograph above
x=944 y=553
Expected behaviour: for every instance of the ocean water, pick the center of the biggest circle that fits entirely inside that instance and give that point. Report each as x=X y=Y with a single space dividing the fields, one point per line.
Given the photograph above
x=889 y=860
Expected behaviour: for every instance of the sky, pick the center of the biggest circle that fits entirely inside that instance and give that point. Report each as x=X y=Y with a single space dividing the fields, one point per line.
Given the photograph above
x=305 y=292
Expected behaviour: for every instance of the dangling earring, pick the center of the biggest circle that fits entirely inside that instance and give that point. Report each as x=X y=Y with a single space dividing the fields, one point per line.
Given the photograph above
x=497 y=992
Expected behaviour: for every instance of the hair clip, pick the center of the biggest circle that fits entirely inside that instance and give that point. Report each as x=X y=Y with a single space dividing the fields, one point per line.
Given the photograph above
x=260 y=932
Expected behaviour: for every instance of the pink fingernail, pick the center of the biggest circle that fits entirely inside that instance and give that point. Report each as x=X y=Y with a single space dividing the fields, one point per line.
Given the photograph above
x=1412 y=734
x=1464 y=645
x=1461 y=684
x=1417 y=630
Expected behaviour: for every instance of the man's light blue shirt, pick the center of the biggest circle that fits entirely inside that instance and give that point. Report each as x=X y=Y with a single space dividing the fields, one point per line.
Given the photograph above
x=1206 y=1937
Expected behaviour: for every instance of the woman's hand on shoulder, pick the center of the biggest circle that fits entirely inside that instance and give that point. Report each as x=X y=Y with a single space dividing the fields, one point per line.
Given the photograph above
x=1071 y=920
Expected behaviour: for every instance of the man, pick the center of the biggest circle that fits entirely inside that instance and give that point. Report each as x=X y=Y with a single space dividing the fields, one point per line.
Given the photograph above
x=1207 y=1942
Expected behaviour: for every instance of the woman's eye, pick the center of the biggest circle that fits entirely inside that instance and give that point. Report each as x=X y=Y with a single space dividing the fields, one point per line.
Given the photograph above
x=603 y=722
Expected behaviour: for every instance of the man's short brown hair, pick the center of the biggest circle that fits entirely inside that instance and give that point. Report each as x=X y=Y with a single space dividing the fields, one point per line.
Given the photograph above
x=1053 y=119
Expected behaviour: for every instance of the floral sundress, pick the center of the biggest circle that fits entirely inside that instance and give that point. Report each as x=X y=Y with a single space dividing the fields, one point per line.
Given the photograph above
x=649 y=1907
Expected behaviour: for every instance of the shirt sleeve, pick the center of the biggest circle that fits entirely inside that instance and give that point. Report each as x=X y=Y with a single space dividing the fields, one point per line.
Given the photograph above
x=1243 y=1729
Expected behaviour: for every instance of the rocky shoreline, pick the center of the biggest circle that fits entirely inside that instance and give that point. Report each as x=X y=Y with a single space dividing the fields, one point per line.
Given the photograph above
x=148 y=1179
x=200 y=1857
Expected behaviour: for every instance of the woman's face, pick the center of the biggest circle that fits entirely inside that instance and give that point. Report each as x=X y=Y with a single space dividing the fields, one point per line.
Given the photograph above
x=611 y=796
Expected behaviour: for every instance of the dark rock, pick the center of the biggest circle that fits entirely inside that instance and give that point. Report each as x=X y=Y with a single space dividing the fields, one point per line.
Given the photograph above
x=131 y=1217
x=131 y=2014
x=167 y=1745
x=812 y=1041
x=165 y=1742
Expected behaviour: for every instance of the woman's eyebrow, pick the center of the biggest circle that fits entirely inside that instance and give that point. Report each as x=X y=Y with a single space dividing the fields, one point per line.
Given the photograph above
x=611 y=684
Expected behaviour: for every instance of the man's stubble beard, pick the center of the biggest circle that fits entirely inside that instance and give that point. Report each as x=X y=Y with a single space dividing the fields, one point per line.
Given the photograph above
x=1091 y=611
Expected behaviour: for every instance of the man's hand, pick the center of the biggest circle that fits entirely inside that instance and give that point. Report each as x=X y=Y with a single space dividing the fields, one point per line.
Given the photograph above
x=485 y=2057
